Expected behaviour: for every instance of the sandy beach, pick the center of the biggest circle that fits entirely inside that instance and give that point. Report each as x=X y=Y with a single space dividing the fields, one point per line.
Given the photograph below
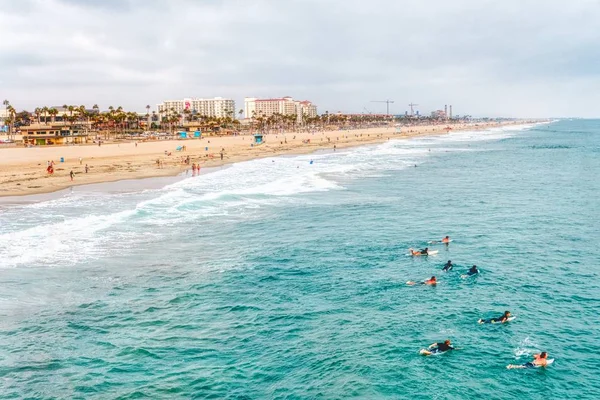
x=23 y=170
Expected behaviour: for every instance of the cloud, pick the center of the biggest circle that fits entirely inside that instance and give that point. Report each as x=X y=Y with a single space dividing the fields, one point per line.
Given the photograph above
x=514 y=58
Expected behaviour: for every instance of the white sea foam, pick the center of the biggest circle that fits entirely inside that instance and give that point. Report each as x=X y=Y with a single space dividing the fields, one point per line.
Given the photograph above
x=244 y=190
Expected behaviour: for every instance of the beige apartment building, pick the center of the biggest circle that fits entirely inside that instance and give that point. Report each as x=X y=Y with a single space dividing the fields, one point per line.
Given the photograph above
x=285 y=105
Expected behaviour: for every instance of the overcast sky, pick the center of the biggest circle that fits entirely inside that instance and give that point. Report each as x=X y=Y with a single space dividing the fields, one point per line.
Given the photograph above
x=503 y=57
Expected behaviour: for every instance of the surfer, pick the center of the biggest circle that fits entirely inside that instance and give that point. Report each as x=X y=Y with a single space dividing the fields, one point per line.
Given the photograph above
x=539 y=360
x=473 y=270
x=442 y=347
x=502 y=319
x=431 y=281
x=448 y=266
x=423 y=252
x=446 y=240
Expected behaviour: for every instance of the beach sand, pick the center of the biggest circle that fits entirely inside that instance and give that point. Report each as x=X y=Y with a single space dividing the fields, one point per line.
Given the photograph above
x=23 y=170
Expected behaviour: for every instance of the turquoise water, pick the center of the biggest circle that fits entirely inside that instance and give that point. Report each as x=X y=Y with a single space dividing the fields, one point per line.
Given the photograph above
x=280 y=279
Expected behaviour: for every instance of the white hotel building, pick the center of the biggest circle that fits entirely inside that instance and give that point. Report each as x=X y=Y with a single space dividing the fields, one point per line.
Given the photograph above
x=286 y=106
x=216 y=107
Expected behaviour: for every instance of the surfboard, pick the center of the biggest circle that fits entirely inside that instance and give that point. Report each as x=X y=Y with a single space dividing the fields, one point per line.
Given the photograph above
x=485 y=321
x=427 y=352
x=412 y=283
x=463 y=276
x=429 y=253
x=439 y=241
x=522 y=366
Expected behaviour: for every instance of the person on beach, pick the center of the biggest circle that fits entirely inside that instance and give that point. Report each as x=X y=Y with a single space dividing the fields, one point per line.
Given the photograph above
x=71 y=174
x=502 y=319
x=539 y=360
x=86 y=168
x=448 y=266
x=80 y=160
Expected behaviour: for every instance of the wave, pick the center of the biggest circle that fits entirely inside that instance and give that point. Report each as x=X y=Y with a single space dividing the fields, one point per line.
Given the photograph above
x=55 y=232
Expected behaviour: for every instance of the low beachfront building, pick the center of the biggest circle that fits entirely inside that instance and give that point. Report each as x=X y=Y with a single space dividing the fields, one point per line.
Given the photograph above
x=54 y=134
x=255 y=107
x=216 y=107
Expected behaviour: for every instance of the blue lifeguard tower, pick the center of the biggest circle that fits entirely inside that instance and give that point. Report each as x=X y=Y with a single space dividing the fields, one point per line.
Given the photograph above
x=197 y=134
x=183 y=135
x=258 y=138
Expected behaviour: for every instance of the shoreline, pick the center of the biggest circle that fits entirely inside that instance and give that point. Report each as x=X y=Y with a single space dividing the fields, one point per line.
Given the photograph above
x=23 y=175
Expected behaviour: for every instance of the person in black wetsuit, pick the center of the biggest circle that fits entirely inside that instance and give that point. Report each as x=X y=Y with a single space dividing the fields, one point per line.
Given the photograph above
x=448 y=266
x=473 y=270
x=425 y=251
x=441 y=347
x=501 y=319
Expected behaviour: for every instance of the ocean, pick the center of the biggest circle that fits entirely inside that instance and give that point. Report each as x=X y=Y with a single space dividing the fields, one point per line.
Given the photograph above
x=280 y=278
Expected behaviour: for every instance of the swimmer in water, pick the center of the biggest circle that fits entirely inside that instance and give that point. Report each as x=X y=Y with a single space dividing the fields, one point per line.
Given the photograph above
x=539 y=360
x=448 y=266
x=446 y=240
x=502 y=319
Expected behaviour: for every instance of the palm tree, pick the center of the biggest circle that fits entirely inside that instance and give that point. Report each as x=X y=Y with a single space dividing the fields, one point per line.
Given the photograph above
x=37 y=112
x=45 y=111
x=6 y=104
x=12 y=113
x=240 y=113
x=53 y=112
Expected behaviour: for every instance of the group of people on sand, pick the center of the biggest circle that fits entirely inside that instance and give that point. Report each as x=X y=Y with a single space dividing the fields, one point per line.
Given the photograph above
x=195 y=168
x=539 y=360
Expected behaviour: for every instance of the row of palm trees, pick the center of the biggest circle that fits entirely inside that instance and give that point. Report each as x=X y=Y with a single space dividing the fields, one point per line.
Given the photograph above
x=116 y=120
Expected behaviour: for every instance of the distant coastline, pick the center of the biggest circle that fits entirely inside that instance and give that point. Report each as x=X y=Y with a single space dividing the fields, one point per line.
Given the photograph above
x=23 y=170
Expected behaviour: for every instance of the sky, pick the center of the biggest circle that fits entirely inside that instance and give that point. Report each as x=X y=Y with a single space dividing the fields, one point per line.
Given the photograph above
x=514 y=58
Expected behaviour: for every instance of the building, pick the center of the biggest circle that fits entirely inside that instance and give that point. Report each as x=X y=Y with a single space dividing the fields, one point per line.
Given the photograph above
x=216 y=107
x=308 y=109
x=54 y=134
x=438 y=114
x=254 y=107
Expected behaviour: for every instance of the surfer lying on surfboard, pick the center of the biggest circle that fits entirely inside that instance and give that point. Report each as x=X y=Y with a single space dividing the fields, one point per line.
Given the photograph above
x=539 y=360
x=424 y=252
x=445 y=240
x=500 y=320
x=438 y=348
x=431 y=281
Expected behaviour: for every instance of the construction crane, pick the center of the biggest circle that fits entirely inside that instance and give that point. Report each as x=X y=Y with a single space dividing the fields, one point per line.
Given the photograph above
x=412 y=111
x=387 y=102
